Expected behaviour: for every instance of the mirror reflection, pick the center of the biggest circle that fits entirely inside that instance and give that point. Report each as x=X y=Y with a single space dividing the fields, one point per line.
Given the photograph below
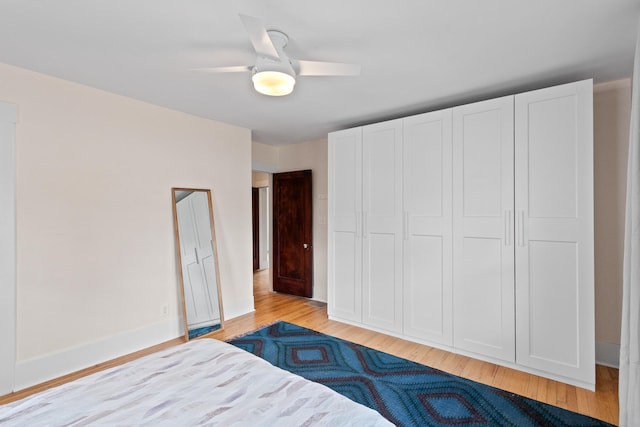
x=197 y=261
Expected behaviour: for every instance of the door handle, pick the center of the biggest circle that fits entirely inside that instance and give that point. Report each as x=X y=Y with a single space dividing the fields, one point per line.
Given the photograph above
x=405 y=225
x=521 y=228
x=507 y=227
x=364 y=225
x=305 y=245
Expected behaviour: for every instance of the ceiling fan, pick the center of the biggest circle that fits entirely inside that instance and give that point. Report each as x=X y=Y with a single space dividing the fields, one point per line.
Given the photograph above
x=274 y=73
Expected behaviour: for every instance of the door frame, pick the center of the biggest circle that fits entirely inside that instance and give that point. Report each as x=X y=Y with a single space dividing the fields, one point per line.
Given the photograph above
x=255 y=226
x=269 y=170
x=264 y=217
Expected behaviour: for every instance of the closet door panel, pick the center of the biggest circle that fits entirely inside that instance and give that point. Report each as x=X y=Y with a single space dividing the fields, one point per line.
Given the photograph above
x=483 y=262
x=481 y=156
x=426 y=314
x=479 y=313
x=381 y=284
x=382 y=225
x=552 y=158
x=345 y=228
x=550 y=336
x=427 y=245
x=554 y=208
x=345 y=292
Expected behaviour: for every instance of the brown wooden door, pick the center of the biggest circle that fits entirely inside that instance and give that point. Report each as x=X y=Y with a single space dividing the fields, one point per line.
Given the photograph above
x=292 y=233
x=256 y=228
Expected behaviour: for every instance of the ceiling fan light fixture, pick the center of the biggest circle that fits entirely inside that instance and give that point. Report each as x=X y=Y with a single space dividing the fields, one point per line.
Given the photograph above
x=273 y=83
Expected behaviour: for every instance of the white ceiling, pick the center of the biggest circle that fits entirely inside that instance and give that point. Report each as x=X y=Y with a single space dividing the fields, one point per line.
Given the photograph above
x=416 y=55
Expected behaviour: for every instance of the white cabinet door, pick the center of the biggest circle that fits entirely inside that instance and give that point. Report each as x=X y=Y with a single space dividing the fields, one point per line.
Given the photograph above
x=345 y=225
x=483 y=260
x=382 y=225
x=554 y=212
x=427 y=240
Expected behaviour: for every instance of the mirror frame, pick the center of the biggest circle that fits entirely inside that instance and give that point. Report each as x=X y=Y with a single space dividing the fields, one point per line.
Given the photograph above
x=179 y=255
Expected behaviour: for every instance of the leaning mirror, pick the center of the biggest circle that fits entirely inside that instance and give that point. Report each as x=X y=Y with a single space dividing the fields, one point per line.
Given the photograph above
x=197 y=261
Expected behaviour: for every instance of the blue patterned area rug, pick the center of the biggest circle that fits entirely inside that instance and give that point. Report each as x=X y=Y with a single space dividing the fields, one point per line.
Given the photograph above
x=404 y=392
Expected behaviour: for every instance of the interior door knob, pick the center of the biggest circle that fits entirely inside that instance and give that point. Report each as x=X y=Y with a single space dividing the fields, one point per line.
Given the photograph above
x=305 y=245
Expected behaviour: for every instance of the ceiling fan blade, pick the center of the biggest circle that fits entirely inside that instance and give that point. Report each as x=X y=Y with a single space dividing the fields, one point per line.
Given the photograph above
x=317 y=68
x=259 y=38
x=231 y=69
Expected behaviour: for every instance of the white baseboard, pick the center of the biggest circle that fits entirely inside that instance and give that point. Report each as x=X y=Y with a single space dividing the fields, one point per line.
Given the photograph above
x=43 y=368
x=608 y=354
x=240 y=309
x=53 y=365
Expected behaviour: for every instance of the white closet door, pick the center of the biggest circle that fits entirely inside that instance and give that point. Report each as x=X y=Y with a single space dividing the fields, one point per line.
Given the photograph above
x=554 y=211
x=483 y=260
x=382 y=225
x=345 y=225
x=427 y=214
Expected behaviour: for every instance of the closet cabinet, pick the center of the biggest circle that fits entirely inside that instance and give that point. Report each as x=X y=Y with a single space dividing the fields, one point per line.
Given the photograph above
x=471 y=229
x=366 y=225
x=390 y=261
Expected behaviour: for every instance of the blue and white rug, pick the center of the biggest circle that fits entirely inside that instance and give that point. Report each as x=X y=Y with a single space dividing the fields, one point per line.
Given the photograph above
x=404 y=392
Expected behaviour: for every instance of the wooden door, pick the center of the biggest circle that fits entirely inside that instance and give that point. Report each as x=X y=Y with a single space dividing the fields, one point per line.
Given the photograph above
x=292 y=233
x=554 y=213
x=345 y=225
x=427 y=236
x=483 y=263
x=382 y=225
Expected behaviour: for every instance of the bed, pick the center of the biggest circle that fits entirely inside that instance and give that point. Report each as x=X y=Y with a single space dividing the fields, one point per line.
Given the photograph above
x=202 y=382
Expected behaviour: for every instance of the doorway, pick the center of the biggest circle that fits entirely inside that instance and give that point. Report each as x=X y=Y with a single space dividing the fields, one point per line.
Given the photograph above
x=293 y=233
x=282 y=220
x=260 y=222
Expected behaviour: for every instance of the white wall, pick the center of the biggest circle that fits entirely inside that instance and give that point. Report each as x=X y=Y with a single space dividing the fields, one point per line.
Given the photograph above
x=612 y=110
x=264 y=158
x=95 y=243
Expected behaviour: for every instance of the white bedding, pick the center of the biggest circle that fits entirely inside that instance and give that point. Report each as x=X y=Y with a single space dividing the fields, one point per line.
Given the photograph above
x=203 y=382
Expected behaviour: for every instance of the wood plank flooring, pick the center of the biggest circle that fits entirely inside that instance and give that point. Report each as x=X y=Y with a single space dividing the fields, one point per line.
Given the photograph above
x=601 y=404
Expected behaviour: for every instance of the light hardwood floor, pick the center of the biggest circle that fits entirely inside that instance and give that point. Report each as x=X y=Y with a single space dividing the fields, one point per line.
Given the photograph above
x=601 y=404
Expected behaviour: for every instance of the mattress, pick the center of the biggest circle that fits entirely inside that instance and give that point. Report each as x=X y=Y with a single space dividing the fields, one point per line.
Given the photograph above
x=202 y=382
